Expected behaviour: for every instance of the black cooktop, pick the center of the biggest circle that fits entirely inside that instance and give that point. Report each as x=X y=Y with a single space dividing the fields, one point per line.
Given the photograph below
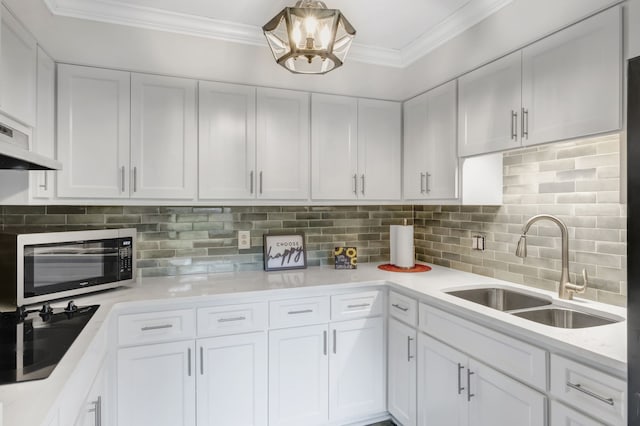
x=32 y=342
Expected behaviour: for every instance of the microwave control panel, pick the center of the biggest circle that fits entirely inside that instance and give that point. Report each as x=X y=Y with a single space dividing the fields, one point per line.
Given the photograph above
x=125 y=255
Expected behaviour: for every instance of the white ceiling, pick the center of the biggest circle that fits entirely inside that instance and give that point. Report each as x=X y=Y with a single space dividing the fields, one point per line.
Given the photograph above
x=390 y=33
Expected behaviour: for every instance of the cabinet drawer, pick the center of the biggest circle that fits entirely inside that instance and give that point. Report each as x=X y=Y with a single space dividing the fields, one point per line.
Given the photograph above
x=517 y=359
x=230 y=319
x=403 y=308
x=294 y=312
x=598 y=394
x=561 y=415
x=356 y=305
x=152 y=327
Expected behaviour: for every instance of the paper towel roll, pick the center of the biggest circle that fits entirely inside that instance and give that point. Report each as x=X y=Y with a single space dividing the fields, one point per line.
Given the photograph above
x=401 y=245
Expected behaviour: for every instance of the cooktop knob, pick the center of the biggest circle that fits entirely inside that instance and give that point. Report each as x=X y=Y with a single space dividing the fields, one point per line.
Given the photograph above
x=46 y=309
x=71 y=307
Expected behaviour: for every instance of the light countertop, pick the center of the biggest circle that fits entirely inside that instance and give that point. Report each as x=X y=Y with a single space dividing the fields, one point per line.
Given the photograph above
x=28 y=403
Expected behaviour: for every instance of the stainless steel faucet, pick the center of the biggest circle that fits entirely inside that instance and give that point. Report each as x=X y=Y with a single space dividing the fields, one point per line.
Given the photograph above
x=566 y=289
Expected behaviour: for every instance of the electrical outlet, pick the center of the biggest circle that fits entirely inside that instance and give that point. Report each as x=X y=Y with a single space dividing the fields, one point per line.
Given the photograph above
x=244 y=240
x=477 y=242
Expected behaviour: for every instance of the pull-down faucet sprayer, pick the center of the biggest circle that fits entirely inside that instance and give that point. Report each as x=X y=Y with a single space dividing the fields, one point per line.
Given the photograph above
x=566 y=289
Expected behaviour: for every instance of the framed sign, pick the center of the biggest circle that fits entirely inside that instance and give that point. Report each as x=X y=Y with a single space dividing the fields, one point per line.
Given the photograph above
x=284 y=252
x=345 y=257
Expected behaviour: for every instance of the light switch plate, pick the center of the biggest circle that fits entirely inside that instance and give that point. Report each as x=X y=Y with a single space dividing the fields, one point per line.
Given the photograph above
x=244 y=240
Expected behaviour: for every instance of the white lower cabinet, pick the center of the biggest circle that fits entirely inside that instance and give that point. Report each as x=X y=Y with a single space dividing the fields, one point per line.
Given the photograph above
x=94 y=411
x=561 y=415
x=156 y=385
x=323 y=374
x=232 y=380
x=401 y=373
x=454 y=389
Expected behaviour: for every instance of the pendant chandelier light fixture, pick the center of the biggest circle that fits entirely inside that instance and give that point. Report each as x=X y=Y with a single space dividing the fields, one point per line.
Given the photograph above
x=309 y=38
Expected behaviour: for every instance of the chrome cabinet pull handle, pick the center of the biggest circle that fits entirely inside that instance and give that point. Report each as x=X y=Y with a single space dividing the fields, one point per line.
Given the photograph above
x=409 y=356
x=189 y=362
x=402 y=308
x=156 y=327
x=46 y=181
x=135 y=179
x=580 y=388
x=469 y=394
x=362 y=184
x=251 y=182
x=428 y=186
x=260 y=182
x=525 y=123
x=460 y=387
x=97 y=411
x=201 y=361
x=422 y=176
x=514 y=125
x=361 y=305
x=355 y=184
x=304 y=311
x=122 y=179
x=232 y=319
x=324 y=335
x=335 y=341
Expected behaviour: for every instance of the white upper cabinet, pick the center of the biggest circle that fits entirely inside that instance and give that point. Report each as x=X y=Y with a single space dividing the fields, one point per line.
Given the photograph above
x=334 y=147
x=430 y=154
x=379 y=149
x=93 y=132
x=164 y=140
x=489 y=103
x=227 y=141
x=572 y=81
x=44 y=135
x=18 y=53
x=355 y=149
x=564 y=86
x=282 y=145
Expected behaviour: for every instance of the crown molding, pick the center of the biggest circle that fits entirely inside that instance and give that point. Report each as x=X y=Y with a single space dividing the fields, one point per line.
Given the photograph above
x=465 y=18
x=120 y=13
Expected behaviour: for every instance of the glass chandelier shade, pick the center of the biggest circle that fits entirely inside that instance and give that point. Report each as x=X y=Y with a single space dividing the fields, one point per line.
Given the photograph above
x=309 y=38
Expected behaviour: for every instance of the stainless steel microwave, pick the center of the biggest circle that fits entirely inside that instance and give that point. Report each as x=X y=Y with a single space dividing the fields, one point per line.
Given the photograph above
x=37 y=267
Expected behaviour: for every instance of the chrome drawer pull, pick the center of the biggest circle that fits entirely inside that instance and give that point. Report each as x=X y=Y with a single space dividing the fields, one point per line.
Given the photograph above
x=460 y=387
x=324 y=337
x=232 y=319
x=578 y=387
x=469 y=394
x=409 y=356
x=402 y=308
x=156 y=327
x=304 y=311
x=189 y=362
x=361 y=305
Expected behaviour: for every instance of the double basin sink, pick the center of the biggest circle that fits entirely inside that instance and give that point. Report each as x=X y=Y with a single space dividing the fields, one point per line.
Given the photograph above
x=534 y=308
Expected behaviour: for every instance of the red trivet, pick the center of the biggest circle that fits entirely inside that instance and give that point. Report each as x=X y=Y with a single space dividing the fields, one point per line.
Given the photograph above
x=393 y=268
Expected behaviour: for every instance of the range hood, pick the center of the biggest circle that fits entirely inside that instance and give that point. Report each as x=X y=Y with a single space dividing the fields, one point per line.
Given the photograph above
x=15 y=154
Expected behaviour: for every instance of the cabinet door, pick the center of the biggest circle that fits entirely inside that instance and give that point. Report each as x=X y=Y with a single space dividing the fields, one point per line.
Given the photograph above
x=379 y=149
x=94 y=411
x=227 y=142
x=401 y=373
x=489 y=103
x=357 y=369
x=561 y=415
x=156 y=385
x=283 y=144
x=232 y=380
x=430 y=148
x=497 y=400
x=44 y=133
x=572 y=81
x=298 y=376
x=334 y=145
x=442 y=388
x=93 y=132
x=163 y=137
x=18 y=51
